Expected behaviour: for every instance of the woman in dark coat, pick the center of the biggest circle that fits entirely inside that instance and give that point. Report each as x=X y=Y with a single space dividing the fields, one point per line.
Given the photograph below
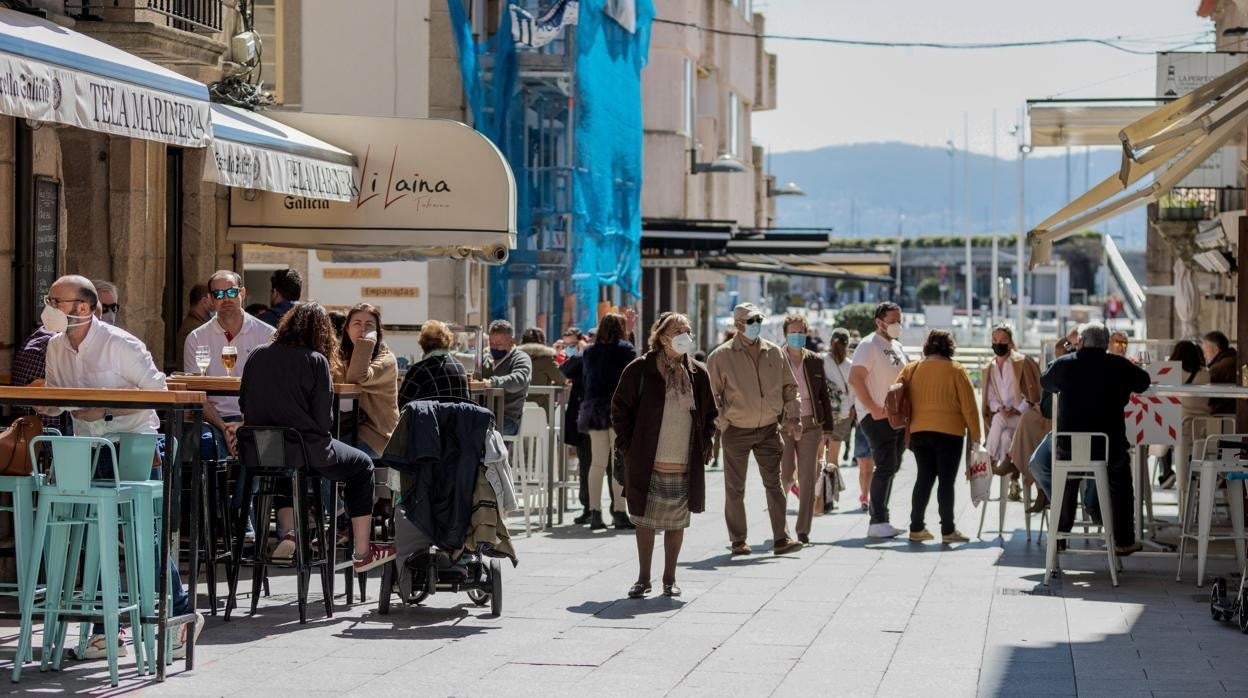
x=664 y=417
x=603 y=363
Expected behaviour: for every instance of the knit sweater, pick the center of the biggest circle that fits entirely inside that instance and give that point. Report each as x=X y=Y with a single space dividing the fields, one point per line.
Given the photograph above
x=942 y=398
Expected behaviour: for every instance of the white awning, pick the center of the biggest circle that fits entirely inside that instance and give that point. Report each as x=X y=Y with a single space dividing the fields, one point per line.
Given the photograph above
x=252 y=151
x=1080 y=123
x=1169 y=142
x=426 y=188
x=50 y=73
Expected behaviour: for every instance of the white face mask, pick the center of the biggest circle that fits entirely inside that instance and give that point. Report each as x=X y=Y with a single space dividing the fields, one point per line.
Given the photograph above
x=893 y=331
x=109 y=317
x=682 y=343
x=56 y=320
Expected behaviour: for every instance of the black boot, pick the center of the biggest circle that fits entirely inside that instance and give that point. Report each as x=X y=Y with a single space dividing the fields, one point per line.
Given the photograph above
x=582 y=519
x=621 y=522
x=595 y=521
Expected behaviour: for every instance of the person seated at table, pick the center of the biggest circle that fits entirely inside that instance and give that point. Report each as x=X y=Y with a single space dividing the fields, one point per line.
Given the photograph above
x=199 y=311
x=510 y=370
x=545 y=368
x=289 y=384
x=286 y=288
x=231 y=327
x=1093 y=388
x=1223 y=362
x=89 y=353
x=369 y=364
x=437 y=375
x=1193 y=371
x=28 y=366
x=110 y=301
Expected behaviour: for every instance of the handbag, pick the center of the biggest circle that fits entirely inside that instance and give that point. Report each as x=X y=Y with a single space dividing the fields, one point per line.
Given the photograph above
x=15 y=445
x=897 y=402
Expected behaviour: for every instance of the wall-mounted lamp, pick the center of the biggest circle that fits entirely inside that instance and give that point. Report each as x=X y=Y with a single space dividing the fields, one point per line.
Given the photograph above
x=723 y=163
x=790 y=189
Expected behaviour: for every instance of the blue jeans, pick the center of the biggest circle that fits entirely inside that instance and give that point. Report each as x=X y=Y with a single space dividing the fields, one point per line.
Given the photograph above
x=510 y=427
x=1042 y=470
x=181 y=603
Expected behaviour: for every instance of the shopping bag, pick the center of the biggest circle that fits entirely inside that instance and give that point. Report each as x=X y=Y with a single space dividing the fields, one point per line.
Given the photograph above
x=979 y=472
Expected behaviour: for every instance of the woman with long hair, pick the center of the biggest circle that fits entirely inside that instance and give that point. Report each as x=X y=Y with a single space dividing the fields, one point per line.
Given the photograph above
x=602 y=365
x=836 y=365
x=289 y=384
x=369 y=364
x=942 y=411
x=663 y=415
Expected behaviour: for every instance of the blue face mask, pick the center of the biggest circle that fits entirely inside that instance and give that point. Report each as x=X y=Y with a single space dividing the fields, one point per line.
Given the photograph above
x=752 y=331
x=569 y=352
x=797 y=340
x=499 y=354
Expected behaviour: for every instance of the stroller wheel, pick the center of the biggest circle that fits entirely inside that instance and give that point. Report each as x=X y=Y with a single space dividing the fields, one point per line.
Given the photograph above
x=387 y=588
x=479 y=596
x=496 y=591
x=1217 y=601
x=1243 y=609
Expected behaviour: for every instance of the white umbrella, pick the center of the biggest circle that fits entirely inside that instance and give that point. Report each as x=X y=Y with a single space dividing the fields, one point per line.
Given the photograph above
x=1186 y=300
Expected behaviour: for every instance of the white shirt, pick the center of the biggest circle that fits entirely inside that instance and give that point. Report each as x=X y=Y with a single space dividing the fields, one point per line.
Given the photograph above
x=838 y=381
x=253 y=334
x=1004 y=390
x=109 y=357
x=883 y=358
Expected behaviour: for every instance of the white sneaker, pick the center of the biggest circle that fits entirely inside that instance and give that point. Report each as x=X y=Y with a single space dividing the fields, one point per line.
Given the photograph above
x=179 y=649
x=882 y=530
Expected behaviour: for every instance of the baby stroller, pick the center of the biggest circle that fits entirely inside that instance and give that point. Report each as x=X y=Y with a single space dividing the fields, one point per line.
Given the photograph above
x=1224 y=608
x=449 y=533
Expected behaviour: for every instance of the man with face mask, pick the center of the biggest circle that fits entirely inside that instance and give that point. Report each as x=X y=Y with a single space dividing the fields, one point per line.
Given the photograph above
x=110 y=301
x=510 y=370
x=756 y=393
x=878 y=360
x=1011 y=387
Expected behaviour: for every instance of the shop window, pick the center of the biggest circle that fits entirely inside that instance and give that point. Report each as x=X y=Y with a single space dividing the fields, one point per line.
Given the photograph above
x=734 y=125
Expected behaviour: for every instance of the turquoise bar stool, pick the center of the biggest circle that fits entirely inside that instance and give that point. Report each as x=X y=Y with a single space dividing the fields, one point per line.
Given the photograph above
x=21 y=490
x=73 y=505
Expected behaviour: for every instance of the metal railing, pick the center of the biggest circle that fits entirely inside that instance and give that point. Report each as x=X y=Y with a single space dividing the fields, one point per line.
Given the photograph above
x=190 y=15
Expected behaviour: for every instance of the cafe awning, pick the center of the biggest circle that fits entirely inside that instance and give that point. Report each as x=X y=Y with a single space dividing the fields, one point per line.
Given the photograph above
x=1168 y=143
x=1064 y=122
x=869 y=267
x=425 y=188
x=54 y=74
x=252 y=151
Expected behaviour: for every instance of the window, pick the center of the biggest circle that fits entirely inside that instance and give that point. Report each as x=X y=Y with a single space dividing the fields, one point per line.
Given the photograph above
x=690 y=77
x=734 y=125
x=268 y=19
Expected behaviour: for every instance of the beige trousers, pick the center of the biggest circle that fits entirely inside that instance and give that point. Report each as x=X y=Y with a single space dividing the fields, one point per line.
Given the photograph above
x=602 y=446
x=766 y=446
x=801 y=458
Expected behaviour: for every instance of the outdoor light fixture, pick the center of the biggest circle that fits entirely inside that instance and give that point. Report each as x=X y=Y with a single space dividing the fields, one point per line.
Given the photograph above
x=1209 y=235
x=723 y=163
x=1214 y=261
x=790 y=189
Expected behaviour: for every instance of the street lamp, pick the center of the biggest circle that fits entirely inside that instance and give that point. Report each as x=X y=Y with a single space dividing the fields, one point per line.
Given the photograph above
x=723 y=163
x=1020 y=264
x=790 y=189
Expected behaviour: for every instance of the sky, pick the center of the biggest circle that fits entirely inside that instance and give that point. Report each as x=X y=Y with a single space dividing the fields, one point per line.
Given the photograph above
x=832 y=95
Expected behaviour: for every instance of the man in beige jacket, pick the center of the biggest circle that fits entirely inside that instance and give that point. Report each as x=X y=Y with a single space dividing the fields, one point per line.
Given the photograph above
x=755 y=390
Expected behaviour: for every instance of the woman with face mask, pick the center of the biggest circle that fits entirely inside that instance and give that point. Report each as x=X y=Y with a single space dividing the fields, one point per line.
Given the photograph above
x=663 y=414
x=799 y=460
x=1011 y=388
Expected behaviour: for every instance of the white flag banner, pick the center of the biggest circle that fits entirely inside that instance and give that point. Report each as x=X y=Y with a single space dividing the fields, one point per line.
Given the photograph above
x=624 y=12
x=536 y=32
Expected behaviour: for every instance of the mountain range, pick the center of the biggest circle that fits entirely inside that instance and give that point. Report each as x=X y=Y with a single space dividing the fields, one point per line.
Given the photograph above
x=864 y=190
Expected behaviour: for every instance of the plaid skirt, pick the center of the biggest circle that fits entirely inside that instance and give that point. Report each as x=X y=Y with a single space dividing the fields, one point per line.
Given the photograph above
x=667 y=502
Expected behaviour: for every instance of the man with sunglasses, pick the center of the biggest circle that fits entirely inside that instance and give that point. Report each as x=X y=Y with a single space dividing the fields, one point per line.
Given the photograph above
x=230 y=327
x=109 y=301
x=756 y=392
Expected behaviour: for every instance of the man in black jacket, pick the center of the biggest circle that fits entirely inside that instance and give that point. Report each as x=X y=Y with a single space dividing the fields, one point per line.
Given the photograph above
x=1093 y=388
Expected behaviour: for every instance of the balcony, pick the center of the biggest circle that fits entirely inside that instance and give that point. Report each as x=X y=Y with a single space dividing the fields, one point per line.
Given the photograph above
x=188 y=36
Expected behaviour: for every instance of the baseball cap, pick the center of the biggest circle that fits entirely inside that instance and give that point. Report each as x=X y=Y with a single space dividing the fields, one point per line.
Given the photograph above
x=745 y=311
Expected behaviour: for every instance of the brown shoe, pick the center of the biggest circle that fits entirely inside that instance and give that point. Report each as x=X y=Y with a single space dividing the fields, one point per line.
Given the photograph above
x=1040 y=502
x=741 y=548
x=786 y=545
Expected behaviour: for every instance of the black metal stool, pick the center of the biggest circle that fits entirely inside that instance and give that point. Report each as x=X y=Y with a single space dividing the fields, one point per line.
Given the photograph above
x=273 y=458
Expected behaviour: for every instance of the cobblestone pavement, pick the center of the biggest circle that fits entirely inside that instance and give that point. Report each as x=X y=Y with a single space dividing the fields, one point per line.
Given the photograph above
x=844 y=616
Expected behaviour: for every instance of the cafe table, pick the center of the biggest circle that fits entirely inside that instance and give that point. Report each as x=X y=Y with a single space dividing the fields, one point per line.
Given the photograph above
x=230 y=386
x=174 y=406
x=1182 y=460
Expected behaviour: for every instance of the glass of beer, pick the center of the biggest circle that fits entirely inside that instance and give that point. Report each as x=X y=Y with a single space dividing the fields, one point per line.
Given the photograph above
x=229 y=355
x=202 y=359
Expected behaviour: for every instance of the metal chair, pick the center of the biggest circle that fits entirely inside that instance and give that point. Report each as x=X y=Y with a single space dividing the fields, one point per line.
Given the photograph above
x=1081 y=466
x=1213 y=466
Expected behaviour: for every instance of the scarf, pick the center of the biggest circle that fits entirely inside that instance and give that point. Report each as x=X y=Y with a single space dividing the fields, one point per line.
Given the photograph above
x=676 y=378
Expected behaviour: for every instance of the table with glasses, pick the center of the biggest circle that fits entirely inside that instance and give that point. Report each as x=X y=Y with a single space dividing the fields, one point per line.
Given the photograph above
x=174 y=406
x=231 y=385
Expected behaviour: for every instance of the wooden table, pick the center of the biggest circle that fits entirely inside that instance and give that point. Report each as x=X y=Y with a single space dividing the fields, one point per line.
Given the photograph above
x=175 y=405
x=231 y=385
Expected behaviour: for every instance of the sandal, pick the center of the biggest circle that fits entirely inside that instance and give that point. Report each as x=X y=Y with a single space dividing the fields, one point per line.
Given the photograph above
x=741 y=548
x=671 y=589
x=639 y=590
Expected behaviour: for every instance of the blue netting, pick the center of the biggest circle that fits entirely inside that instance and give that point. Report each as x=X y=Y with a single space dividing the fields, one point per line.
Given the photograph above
x=606 y=186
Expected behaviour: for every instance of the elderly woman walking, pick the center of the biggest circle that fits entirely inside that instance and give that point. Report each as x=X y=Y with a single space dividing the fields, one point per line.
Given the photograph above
x=663 y=414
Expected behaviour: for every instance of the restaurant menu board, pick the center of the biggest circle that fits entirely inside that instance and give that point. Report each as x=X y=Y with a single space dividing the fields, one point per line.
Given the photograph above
x=47 y=223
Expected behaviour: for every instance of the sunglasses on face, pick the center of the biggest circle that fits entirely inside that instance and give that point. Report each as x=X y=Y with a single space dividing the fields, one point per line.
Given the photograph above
x=111 y=307
x=754 y=321
x=220 y=293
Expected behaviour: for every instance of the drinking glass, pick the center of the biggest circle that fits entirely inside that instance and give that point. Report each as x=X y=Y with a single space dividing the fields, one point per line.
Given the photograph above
x=203 y=357
x=1144 y=358
x=229 y=354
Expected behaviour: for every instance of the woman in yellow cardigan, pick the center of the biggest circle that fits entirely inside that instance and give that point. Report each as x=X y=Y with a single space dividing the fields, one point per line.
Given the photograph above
x=942 y=410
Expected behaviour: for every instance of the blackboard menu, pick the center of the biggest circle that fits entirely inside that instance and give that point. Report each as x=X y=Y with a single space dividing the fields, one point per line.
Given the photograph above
x=47 y=224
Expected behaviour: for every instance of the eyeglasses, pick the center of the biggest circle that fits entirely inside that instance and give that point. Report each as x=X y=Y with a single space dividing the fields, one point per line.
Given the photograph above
x=111 y=307
x=231 y=292
x=756 y=320
x=1119 y=343
x=53 y=301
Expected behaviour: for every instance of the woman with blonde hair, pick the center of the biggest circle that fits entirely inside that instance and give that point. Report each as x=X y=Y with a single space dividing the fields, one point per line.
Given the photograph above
x=438 y=375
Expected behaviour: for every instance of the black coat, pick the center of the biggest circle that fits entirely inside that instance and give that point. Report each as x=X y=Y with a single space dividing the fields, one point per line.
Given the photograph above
x=603 y=364
x=289 y=386
x=637 y=417
x=1093 y=389
x=445 y=442
x=571 y=369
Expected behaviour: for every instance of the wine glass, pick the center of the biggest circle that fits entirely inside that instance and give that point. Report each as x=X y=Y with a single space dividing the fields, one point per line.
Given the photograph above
x=229 y=354
x=1144 y=358
x=203 y=357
